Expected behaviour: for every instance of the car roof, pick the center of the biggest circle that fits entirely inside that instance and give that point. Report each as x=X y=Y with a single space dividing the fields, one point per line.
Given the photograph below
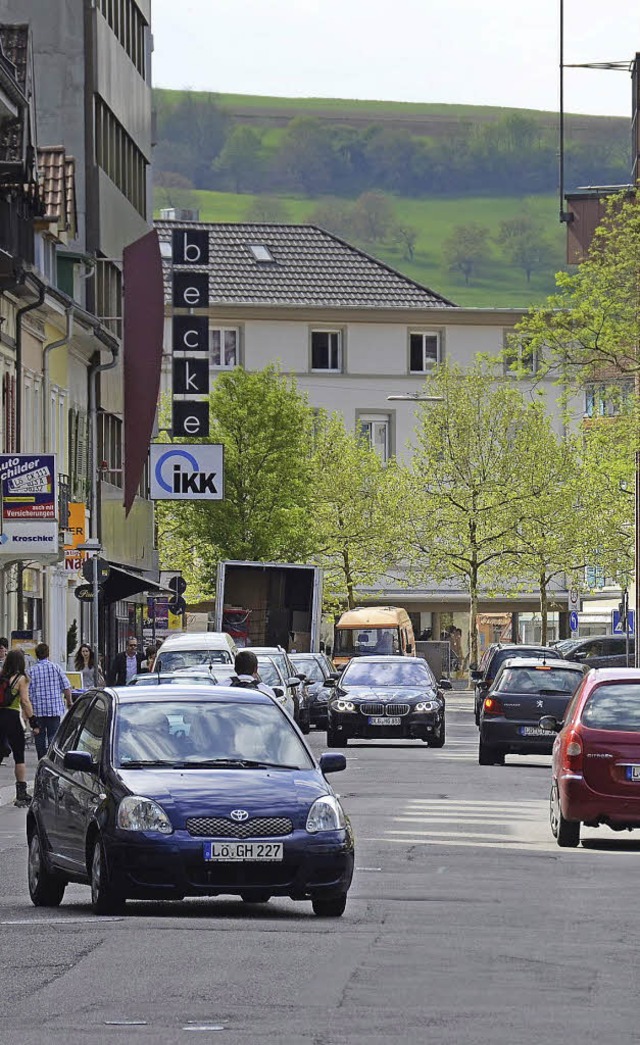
x=537 y=662
x=612 y=674
x=386 y=659
x=618 y=637
x=213 y=694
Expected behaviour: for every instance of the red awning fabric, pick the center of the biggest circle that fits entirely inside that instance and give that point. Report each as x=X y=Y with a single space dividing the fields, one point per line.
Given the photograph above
x=142 y=354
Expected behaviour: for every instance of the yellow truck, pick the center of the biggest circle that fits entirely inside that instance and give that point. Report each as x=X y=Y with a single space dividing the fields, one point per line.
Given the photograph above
x=373 y=630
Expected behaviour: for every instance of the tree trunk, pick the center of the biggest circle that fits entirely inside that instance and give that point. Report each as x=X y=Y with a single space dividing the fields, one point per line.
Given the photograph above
x=348 y=576
x=544 y=608
x=473 y=616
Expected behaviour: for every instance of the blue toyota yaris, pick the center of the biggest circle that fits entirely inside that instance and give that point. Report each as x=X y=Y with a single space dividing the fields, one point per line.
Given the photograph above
x=172 y=791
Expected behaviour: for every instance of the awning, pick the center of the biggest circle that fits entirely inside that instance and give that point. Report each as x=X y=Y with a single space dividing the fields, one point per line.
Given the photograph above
x=121 y=584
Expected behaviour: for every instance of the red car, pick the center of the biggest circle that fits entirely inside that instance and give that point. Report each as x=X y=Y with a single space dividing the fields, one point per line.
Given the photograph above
x=596 y=756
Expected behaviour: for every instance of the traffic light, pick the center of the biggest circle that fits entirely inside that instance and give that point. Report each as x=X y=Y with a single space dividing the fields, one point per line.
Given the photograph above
x=177 y=604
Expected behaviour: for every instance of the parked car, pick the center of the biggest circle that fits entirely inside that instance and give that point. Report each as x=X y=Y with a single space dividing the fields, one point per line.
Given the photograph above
x=386 y=696
x=317 y=669
x=301 y=697
x=284 y=689
x=524 y=689
x=493 y=657
x=595 y=778
x=603 y=651
x=167 y=792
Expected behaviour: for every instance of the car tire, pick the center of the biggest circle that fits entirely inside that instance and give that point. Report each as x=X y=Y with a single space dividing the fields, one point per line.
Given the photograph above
x=105 y=898
x=439 y=739
x=330 y=907
x=335 y=738
x=489 y=756
x=565 y=832
x=46 y=888
x=255 y=898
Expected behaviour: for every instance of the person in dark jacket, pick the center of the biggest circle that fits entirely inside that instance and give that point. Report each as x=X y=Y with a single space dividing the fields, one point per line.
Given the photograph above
x=126 y=664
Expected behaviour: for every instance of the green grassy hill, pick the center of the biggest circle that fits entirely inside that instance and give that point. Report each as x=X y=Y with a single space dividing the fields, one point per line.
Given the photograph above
x=497 y=284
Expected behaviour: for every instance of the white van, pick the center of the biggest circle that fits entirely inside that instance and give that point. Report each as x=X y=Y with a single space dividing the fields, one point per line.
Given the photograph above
x=189 y=649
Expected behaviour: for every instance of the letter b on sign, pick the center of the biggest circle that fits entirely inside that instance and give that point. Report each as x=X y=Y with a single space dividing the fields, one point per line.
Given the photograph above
x=190 y=247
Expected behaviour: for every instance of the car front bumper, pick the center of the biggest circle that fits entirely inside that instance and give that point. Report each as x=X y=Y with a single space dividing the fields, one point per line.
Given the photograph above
x=414 y=726
x=170 y=867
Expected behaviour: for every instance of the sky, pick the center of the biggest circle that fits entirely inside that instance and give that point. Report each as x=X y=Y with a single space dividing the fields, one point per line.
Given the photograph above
x=479 y=52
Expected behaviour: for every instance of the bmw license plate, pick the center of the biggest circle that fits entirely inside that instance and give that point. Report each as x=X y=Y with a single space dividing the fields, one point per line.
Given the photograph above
x=633 y=773
x=535 y=731
x=236 y=852
x=382 y=720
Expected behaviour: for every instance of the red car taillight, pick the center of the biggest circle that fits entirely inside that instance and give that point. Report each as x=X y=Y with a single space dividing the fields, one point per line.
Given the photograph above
x=573 y=753
x=492 y=706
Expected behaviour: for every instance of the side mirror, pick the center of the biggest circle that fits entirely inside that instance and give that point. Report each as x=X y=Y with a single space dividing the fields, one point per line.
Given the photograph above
x=279 y=692
x=445 y=684
x=550 y=723
x=301 y=675
x=332 y=762
x=80 y=760
x=580 y=655
x=330 y=682
x=293 y=681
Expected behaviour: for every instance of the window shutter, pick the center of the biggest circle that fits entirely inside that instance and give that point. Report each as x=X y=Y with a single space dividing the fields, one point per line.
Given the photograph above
x=82 y=454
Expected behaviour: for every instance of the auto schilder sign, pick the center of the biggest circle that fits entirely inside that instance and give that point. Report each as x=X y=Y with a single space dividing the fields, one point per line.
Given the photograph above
x=28 y=487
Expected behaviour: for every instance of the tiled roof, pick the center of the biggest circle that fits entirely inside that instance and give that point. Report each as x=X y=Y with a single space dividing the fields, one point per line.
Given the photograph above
x=57 y=181
x=16 y=48
x=310 y=267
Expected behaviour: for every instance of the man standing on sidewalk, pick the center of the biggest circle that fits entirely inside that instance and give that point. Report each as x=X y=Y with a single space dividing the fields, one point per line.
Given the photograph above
x=50 y=694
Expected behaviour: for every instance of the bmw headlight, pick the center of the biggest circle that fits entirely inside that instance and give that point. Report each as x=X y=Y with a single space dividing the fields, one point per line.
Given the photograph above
x=326 y=814
x=343 y=705
x=141 y=814
x=427 y=705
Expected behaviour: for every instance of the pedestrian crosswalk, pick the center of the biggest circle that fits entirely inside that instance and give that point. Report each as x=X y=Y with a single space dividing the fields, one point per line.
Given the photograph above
x=472 y=822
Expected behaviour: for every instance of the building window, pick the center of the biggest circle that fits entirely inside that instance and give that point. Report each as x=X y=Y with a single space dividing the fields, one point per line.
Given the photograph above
x=108 y=289
x=520 y=358
x=326 y=350
x=424 y=350
x=376 y=429
x=78 y=454
x=125 y=20
x=606 y=400
x=224 y=347
x=119 y=157
x=110 y=448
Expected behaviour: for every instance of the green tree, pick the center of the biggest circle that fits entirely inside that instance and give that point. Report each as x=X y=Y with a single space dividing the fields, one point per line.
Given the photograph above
x=406 y=236
x=466 y=249
x=334 y=215
x=190 y=135
x=305 y=155
x=372 y=216
x=357 y=519
x=241 y=157
x=265 y=426
x=524 y=244
x=267 y=210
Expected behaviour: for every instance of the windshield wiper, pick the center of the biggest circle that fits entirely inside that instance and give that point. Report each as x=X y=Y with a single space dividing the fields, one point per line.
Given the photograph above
x=145 y=763
x=234 y=763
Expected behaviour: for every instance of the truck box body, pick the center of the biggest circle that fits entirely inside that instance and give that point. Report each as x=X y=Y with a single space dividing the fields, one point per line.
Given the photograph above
x=270 y=604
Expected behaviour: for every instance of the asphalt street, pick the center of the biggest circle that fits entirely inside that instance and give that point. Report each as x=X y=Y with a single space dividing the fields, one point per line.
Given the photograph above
x=465 y=925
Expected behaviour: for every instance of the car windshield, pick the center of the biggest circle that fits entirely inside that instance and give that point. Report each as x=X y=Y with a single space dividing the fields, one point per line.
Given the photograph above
x=409 y=673
x=360 y=641
x=192 y=732
x=614 y=705
x=175 y=660
x=310 y=667
x=508 y=654
x=268 y=672
x=535 y=680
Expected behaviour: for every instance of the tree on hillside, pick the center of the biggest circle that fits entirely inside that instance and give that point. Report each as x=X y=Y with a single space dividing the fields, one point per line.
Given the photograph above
x=305 y=156
x=174 y=190
x=372 y=217
x=469 y=488
x=334 y=215
x=357 y=502
x=525 y=245
x=390 y=152
x=406 y=236
x=466 y=249
x=241 y=157
x=265 y=426
x=193 y=133
x=268 y=210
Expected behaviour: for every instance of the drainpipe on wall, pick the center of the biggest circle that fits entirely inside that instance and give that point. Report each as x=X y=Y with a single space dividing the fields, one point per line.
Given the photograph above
x=97 y=368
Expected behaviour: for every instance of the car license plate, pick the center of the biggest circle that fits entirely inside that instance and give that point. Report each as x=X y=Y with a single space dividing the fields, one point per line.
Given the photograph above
x=535 y=731
x=633 y=773
x=236 y=852
x=382 y=720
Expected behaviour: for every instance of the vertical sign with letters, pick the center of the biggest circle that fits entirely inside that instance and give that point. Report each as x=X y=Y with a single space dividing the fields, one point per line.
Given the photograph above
x=190 y=334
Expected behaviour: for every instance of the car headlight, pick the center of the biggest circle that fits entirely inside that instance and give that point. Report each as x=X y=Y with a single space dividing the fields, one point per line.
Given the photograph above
x=427 y=705
x=343 y=705
x=326 y=814
x=141 y=814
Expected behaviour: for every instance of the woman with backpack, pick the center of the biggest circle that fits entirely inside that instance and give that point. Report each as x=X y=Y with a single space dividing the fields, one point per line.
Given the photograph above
x=14 y=696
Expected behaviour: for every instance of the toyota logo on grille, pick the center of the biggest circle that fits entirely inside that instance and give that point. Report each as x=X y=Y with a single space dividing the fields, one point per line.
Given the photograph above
x=239 y=814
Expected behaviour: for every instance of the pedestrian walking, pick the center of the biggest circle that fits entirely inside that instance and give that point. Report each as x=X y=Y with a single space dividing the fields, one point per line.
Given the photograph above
x=85 y=663
x=14 y=697
x=246 y=668
x=5 y=750
x=151 y=653
x=126 y=664
x=50 y=695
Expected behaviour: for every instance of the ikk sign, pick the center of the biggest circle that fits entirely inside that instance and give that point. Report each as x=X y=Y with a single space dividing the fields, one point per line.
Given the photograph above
x=181 y=472
x=29 y=486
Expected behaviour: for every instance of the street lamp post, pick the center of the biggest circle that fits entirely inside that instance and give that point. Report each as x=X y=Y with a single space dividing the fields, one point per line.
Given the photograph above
x=92 y=545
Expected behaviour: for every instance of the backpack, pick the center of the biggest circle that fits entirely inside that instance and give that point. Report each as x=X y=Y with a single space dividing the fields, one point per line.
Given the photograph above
x=235 y=681
x=6 y=686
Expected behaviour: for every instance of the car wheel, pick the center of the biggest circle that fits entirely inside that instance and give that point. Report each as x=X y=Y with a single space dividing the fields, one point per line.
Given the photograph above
x=565 y=832
x=440 y=737
x=332 y=907
x=46 y=888
x=335 y=738
x=105 y=899
x=490 y=756
x=255 y=897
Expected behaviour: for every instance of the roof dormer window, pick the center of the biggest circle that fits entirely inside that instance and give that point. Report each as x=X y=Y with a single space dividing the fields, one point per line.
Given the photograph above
x=261 y=252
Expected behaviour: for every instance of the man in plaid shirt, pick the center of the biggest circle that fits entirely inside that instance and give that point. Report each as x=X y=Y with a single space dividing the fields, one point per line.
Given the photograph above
x=50 y=694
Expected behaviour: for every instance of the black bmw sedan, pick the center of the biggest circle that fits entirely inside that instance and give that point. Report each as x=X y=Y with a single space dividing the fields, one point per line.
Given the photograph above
x=378 y=697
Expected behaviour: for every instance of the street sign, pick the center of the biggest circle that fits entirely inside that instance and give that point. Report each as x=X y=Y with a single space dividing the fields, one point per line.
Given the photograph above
x=573 y=620
x=178 y=584
x=84 y=592
x=574 y=599
x=177 y=605
x=186 y=472
x=617 y=625
x=103 y=570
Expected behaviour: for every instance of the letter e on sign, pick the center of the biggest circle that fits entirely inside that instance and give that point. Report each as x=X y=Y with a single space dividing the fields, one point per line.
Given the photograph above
x=190 y=418
x=190 y=289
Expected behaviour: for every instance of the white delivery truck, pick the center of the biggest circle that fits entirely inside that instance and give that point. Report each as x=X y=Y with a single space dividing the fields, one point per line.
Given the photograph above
x=270 y=604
